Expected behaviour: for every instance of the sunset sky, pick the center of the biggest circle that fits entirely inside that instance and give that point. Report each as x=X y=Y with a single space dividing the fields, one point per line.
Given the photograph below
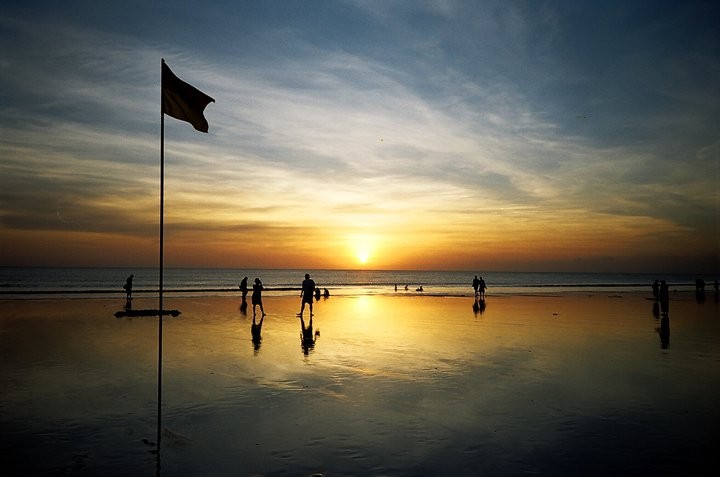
x=467 y=135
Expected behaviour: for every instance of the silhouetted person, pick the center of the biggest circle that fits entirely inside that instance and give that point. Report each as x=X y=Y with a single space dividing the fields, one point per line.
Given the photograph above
x=396 y=287
x=307 y=336
x=244 y=287
x=306 y=294
x=255 y=332
x=656 y=290
x=664 y=297
x=406 y=287
x=419 y=289
x=476 y=284
x=128 y=287
x=317 y=294
x=326 y=293
x=257 y=296
x=481 y=288
x=700 y=290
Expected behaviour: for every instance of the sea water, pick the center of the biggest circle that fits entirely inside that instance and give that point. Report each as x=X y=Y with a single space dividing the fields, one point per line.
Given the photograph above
x=16 y=282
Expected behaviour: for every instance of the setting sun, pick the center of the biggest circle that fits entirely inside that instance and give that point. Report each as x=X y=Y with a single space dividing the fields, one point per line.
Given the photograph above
x=362 y=247
x=363 y=256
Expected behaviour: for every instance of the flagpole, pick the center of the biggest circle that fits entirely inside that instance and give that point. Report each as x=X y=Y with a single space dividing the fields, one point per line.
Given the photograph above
x=161 y=265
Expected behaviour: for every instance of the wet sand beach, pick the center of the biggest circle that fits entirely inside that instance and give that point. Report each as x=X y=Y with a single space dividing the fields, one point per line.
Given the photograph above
x=393 y=385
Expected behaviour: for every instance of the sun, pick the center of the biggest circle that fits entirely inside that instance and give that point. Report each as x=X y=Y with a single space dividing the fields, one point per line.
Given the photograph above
x=363 y=256
x=361 y=248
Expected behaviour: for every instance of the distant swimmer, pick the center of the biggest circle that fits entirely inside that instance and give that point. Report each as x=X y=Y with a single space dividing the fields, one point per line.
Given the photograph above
x=326 y=292
x=419 y=289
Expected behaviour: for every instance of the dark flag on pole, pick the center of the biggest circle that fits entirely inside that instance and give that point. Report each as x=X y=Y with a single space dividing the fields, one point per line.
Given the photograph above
x=183 y=101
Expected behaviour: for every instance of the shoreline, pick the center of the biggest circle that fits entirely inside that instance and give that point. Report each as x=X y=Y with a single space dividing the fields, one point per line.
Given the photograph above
x=684 y=290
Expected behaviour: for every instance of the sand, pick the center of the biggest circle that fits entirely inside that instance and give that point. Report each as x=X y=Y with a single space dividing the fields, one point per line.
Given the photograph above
x=393 y=385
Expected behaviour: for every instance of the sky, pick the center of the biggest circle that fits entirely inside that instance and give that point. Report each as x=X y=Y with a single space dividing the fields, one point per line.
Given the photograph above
x=451 y=135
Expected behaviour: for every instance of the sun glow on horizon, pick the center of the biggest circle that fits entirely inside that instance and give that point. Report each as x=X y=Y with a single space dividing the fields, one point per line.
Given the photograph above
x=362 y=248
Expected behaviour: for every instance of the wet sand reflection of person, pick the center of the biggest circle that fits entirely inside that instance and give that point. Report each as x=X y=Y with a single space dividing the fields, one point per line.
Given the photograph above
x=664 y=332
x=243 y=307
x=256 y=332
x=307 y=336
x=479 y=306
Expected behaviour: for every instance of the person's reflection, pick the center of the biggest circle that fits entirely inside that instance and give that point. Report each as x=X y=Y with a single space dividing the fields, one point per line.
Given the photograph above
x=664 y=331
x=128 y=304
x=479 y=305
x=307 y=337
x=243 y=307
x=255 y=331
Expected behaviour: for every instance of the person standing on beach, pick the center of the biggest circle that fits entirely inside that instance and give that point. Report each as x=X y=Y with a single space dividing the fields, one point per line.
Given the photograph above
x=244 y=287
x=308 y=289
x=128 y=287
x=656 y=290
x=476 y=284
x=481 y=288
x=257 y=296
x=664 y=297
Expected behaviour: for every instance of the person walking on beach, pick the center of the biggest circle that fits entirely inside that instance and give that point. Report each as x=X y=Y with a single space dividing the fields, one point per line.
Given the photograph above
x=476 y=284
x=257 y=296
x=128 y=287
x=481 y=288
x=664 y=297
x=244 y=287
x=308 y=289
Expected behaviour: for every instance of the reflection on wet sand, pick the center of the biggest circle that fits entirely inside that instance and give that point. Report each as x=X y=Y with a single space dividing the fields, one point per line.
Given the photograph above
x=256 y=333
x=479 y=305
x=307 y=336
x=374 y=394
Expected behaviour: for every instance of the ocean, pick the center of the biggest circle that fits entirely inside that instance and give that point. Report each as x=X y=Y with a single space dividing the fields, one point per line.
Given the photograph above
x=34 y=282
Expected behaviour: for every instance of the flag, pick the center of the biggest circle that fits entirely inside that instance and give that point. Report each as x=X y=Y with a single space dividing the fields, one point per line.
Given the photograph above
x=183 y=101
